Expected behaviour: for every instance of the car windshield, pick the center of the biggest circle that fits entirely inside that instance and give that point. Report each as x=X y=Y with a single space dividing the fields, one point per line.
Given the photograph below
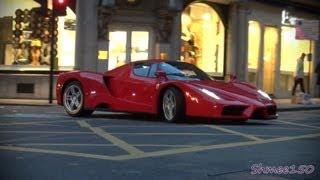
x=183 y=71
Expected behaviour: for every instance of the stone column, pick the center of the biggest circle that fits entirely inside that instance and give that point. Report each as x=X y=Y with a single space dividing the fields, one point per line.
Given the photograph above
x=104 y=17
x=237 y=42
x=232 y=41
x=260 y=59
x=242 y=57
x=86 y=35
x=175 y=40
x=163 y=33
x=277 y=76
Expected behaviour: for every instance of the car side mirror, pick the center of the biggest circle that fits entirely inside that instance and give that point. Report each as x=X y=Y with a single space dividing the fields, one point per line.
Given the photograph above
x=232 y=78
x=161 y=74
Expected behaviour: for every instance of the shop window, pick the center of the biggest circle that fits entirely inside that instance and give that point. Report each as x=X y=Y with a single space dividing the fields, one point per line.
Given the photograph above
x=269 y=58
x=202 y=40
x=117 y=48
x=128 y=46
x=139 y=45
x=25 y=39
x=291 y=50
x=254 y=32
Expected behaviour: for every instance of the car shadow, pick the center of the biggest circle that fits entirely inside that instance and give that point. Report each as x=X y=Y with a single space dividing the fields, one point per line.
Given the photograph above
x=189 y=120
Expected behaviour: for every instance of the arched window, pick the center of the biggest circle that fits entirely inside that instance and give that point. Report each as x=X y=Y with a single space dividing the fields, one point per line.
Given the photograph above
x=203 y=38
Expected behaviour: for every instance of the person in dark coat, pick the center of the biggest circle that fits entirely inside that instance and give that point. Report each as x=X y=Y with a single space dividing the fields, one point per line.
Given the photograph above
x=317 y=70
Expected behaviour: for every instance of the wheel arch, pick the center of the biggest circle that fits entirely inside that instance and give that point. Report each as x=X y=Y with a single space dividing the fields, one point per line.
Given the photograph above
x=66 y=83
x=161 y=93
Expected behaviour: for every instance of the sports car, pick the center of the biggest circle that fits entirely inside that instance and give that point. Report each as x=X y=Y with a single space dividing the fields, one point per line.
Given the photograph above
x=170 y=89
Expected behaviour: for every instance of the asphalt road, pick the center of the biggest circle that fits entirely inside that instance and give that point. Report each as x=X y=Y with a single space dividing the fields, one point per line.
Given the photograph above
x=44 y=143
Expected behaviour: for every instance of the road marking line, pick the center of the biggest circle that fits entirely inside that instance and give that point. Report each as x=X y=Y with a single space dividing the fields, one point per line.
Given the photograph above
x=47 y=132
x=298 y=124
x=175 y=134
x=83 y=124
x=27 y=138
x=99 y=145
x=31 y=123
x=114 y=140
x=68 y=153
x=158 y=153
x=276 y=128
x=217 y=146
x=251 y=137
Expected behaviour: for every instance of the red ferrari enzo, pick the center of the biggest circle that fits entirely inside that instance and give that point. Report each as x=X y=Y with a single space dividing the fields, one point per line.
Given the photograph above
x=171 y=89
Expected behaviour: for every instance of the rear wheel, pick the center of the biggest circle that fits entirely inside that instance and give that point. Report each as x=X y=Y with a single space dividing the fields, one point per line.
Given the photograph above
x=173 y=106
x=73 y=100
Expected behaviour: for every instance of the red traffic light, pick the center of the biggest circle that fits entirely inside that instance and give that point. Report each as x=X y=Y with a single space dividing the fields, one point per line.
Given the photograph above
x=59 y=7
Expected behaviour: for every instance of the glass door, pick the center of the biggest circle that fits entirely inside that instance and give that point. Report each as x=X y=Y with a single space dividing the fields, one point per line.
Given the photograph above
x=139 y=45
x=117 y=49
x=269 y=58
x=127 y=46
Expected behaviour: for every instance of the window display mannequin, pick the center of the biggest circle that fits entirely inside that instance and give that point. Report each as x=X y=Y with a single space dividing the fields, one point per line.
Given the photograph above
x=35 y=55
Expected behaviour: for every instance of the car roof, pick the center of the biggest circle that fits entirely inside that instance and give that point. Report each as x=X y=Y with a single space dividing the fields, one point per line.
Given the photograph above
x=149 y=61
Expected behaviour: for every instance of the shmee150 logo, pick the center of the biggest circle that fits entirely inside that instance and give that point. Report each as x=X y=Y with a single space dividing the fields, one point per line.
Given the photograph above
x=292 y=169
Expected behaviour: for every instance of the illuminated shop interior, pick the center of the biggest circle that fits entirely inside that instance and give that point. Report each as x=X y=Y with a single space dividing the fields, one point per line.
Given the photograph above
x=291 y=50
x=127 y=46
x=202 y=40
x=20 y=55
x=253 y=50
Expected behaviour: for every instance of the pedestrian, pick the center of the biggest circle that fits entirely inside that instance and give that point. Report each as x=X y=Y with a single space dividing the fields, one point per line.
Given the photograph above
x=299 y=74
x=317 y=70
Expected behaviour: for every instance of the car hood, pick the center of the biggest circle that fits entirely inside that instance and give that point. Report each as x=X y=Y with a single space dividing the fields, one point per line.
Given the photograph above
x=233 y=91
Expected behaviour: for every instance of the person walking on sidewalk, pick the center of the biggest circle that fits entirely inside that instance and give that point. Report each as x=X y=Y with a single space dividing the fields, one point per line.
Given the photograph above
x=299 y=74
x=317 y=70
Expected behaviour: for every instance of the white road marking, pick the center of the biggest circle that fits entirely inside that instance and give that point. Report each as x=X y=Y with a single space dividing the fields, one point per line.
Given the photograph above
x=158 y=153
x=298 y=124
x=248 y=136
x=114 y=140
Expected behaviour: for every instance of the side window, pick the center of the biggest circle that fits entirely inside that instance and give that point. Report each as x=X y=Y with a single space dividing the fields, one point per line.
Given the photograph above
x=153 y=70
x=141 y=69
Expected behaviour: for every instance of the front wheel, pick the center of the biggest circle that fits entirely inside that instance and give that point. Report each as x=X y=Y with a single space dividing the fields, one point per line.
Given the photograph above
x=173 y=106
x=73 y=100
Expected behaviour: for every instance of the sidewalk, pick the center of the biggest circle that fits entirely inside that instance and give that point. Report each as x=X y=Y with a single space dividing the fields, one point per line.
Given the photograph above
x=27 y=102
x=283 y=104
x=286 y=105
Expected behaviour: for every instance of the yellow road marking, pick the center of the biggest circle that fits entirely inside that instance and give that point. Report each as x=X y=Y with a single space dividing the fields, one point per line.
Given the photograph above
x=31 y=123
x=217 y=146
x=100 y=145
x=114 y=140
x=248 y=136
x=298 y=124
x=68 y=153
x=158 y=153
x=47 y=132
x=26 y=138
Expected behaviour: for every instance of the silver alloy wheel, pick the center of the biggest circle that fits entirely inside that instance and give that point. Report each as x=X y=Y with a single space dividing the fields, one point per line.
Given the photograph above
x=73 y=99
x=169 y=105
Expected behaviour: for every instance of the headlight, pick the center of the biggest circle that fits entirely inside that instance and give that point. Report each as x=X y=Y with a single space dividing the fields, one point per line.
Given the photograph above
x=209 y=93
x=264 y=94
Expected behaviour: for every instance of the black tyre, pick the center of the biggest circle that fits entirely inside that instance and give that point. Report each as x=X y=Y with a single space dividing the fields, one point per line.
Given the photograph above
x=173 y=105
x=73 y=100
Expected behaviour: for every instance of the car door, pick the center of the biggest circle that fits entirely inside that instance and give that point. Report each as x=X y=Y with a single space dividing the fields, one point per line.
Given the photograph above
x=142 y=87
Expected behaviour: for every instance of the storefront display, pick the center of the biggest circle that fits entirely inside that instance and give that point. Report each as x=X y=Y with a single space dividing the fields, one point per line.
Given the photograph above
x=202 y=40
x=29 y=45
